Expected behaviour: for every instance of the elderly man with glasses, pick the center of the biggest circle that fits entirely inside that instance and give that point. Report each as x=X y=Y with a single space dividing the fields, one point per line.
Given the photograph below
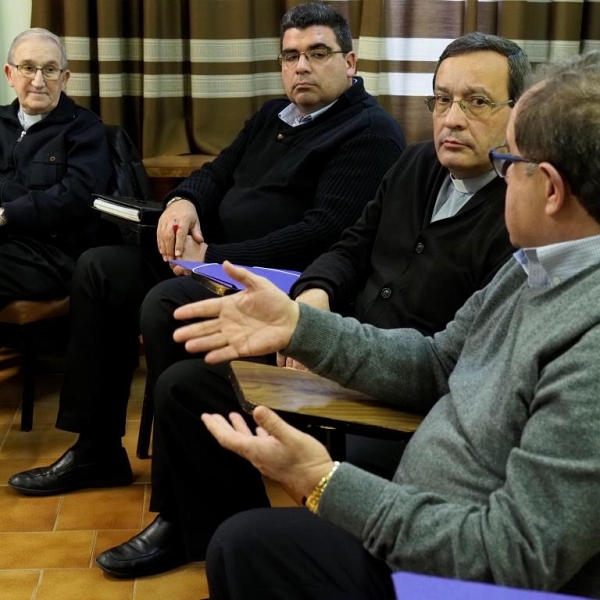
x=53 y=155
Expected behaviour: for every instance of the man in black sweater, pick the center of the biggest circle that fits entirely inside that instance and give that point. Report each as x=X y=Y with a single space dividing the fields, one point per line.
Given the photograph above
x=300 y=172
x=437 y=227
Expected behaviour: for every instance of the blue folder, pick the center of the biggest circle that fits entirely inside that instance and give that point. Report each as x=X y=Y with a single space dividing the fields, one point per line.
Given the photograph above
x=412 y=586
x=214 y=277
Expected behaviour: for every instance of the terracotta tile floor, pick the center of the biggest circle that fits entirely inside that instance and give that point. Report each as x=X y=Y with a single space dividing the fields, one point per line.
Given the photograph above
x=48 y=545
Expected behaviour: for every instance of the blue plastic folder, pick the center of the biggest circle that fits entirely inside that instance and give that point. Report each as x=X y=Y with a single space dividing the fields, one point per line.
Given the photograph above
x=411 y=586
x=214 y=277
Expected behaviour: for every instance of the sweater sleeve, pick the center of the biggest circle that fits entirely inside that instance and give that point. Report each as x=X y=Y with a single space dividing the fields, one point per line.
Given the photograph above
x=342 y=271
x=537 y=530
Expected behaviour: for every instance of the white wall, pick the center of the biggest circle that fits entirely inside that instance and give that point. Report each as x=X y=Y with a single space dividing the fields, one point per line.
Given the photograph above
x=15 y=16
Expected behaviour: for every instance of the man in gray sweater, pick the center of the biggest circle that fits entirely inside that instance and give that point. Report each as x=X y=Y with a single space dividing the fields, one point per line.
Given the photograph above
x=500 y=482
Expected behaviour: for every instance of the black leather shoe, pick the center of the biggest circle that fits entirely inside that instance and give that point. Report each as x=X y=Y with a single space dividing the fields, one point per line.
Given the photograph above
x=156 y=549
x=69 y=473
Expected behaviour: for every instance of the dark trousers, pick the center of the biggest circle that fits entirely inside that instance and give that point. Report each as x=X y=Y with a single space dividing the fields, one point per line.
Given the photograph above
x=291 y=554
x=108 y=287
x=196 y=483
x=32 y=270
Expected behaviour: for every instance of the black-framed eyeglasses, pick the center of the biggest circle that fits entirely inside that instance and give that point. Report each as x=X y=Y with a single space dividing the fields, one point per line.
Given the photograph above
x=475 y=106
x=501 y=161
x=316 y=55
x=49 y=72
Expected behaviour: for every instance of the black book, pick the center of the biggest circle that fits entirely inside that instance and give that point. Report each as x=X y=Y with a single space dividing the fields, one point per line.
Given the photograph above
x=137 y=210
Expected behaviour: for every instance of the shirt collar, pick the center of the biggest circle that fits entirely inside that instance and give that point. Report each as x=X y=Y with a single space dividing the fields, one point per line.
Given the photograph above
x=473 y=184
x=292 y=116
x=28 y=120
x=551 y=265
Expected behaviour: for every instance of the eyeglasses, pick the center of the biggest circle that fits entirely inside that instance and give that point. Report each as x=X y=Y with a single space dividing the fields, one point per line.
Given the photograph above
x=318 y=55
x=49 y=72
x=501 y=161
x=475 y=106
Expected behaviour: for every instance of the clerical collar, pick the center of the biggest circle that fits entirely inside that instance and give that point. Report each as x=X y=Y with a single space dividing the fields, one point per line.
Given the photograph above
x=473 y=184
x=28 y=120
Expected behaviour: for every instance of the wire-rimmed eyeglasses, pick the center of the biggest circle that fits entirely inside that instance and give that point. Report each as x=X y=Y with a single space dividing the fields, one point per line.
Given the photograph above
x=501 y=161
x=476 y=106
x=49 y=72
x=290 y=58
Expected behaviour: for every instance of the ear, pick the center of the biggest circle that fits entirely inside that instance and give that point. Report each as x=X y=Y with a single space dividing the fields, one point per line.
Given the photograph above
x=351 y=63
x=65 y=77
x=8 y=74
x=555 y=189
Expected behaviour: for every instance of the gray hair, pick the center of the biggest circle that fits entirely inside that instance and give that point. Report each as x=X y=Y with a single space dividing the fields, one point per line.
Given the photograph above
x=519 y=67
x=558 y=121
x=307 y=15
x=41 y=33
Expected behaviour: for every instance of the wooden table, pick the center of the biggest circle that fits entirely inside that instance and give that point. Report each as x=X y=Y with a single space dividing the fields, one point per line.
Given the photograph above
x=307 y=400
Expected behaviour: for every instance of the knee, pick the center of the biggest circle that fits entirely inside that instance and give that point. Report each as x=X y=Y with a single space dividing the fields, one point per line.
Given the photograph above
x=239 y=535
x=158 y=306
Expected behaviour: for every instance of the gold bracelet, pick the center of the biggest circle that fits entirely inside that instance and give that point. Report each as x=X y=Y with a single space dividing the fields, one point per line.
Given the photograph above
x=312 y=502
x=173 y=200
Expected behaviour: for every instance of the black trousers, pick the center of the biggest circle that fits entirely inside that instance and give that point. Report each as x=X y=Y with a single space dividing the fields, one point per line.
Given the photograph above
x=108 y=287
x=290 y=554
x=196 y=483
x=32 y=270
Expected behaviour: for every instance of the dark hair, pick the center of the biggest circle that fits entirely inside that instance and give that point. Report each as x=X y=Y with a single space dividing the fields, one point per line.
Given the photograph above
x=558 y=121
x=519 y=68
x=38 y=32
x=307 y=15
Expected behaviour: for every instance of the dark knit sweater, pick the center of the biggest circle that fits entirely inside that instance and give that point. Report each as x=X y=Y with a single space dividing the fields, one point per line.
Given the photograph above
x=395 y=268
x=279 y=196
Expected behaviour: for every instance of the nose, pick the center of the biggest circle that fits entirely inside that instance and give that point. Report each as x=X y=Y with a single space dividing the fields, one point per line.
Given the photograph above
x=38 y=79
x=455 y=118
x=303 y=64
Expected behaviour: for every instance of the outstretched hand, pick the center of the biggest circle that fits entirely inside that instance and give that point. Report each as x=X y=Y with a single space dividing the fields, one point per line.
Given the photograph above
x=295 y=459
x=256 y=321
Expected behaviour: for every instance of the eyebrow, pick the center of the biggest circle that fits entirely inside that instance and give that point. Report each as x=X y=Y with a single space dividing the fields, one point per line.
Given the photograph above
x=471 y=90
x=318 y=46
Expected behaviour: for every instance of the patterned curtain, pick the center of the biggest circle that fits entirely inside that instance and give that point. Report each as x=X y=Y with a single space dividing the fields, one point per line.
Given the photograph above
x=183 y=75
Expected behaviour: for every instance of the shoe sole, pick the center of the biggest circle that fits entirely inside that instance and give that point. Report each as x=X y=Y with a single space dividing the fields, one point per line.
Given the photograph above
x=72 y=488
x=142 y=573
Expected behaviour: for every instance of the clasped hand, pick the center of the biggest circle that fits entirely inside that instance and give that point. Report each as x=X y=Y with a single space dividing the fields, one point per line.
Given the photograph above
x=178 y=231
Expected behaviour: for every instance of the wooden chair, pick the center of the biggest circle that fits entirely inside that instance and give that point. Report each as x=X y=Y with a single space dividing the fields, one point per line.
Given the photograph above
x=308 y=401
x=25 y=318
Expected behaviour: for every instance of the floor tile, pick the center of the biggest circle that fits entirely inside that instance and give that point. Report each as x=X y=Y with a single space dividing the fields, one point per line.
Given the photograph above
x=83 y=584
x=113 y=508
x=24 y=513
x=46 y=550
x=185 y=583
x=19 y=585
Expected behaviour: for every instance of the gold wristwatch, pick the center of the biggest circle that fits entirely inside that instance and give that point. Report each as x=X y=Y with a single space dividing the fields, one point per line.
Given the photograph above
x=2 y=217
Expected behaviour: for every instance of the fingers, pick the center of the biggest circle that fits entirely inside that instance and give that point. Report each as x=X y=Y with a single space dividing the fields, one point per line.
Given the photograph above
x=272 y=424
x=203 y=308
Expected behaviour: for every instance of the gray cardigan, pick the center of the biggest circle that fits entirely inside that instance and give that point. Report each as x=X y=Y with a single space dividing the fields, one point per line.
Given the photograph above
x=501 y=482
